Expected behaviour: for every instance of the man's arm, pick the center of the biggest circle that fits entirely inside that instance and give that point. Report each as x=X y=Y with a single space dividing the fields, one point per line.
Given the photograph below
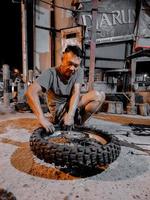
x=73 y=104
x=34 y=102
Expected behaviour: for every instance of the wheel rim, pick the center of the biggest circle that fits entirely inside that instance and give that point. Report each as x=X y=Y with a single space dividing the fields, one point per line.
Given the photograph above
x=75 y=137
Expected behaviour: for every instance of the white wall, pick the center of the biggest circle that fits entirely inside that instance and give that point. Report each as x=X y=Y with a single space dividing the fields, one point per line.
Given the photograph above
x=42 y=46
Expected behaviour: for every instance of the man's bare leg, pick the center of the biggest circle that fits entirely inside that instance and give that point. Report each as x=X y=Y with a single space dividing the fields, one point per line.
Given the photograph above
x=91 y=102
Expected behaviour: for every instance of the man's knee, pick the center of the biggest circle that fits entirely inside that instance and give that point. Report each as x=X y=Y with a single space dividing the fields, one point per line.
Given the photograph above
x=99 y=96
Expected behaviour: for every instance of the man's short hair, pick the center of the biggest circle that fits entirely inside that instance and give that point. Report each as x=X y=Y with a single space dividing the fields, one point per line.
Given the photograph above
x=74 y=49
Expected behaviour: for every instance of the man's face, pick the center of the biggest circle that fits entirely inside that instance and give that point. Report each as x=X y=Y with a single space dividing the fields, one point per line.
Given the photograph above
x=70 y=63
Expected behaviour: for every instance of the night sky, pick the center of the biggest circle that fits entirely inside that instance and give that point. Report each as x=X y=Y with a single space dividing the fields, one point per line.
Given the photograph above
x=10 y=34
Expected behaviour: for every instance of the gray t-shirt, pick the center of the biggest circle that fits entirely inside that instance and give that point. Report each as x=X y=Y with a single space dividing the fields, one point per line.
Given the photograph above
x=57 y=90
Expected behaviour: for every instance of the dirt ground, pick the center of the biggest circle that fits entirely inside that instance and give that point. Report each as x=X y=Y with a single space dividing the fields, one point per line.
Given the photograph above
x=16 y=131
x=23 y=160
x=124 y=119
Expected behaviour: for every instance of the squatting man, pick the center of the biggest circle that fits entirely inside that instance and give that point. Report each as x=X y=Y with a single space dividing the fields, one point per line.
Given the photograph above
x=62 y=85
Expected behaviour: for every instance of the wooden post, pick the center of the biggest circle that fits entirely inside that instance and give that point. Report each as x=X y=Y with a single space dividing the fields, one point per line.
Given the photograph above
x=6 y=81
x=93 y=44
x=30 y=76
x=24 y=41
x=132 y=98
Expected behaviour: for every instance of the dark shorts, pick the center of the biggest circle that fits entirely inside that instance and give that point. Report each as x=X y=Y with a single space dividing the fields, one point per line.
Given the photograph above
x=62 y=109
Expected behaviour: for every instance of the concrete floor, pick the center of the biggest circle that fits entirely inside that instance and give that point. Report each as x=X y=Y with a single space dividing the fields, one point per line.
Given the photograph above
x=128 y=178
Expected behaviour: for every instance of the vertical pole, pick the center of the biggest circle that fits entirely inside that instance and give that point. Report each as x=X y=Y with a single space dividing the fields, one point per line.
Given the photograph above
x=30 y=76
x=6 y=81
x=133 y=72
x=34 y=34
x=24 y=41
x=93 y=44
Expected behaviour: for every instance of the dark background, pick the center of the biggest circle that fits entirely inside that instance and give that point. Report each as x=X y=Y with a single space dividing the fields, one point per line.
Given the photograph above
x=11 y=36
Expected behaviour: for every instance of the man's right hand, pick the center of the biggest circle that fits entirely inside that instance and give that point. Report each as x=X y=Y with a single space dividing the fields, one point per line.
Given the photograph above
x=47 y=124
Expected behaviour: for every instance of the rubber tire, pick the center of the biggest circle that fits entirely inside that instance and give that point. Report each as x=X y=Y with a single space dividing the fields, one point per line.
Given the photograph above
x=78 y=155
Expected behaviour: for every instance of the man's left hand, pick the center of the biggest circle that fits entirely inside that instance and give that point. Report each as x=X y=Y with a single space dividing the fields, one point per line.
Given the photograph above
x=68 y=119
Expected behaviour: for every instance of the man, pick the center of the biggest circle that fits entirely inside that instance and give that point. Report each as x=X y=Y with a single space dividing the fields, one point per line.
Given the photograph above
x=62 y=85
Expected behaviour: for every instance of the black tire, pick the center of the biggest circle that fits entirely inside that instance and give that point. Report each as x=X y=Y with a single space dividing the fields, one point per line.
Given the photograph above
x=78 y=149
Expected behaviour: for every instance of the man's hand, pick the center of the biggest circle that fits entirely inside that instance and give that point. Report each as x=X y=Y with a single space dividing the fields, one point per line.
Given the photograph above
x=47 y=124
x=33 y=100
x=68 y=119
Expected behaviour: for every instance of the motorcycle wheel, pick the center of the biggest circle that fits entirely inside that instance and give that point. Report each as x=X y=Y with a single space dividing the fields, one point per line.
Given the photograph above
x=82 y=147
